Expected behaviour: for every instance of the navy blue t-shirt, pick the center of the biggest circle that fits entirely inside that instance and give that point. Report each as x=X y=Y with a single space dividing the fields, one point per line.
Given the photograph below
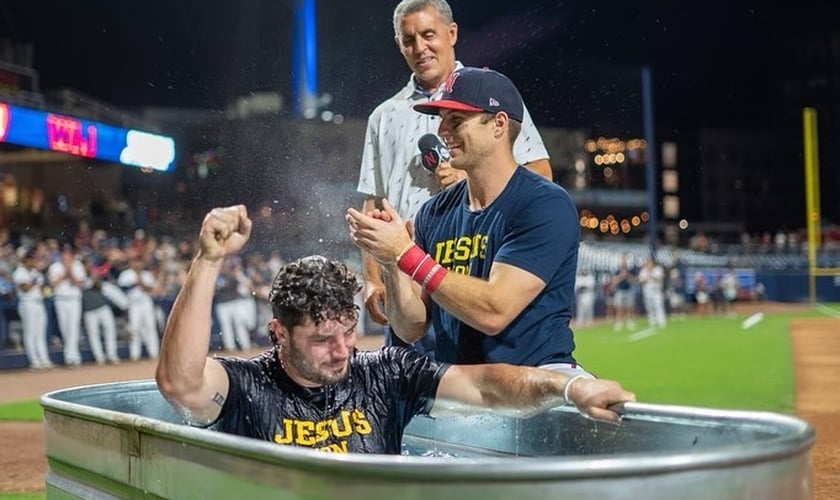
x=366 y=412
x=532 y=225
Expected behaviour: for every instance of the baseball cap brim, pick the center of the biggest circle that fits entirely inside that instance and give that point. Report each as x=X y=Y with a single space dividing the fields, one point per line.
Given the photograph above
x=434 y=107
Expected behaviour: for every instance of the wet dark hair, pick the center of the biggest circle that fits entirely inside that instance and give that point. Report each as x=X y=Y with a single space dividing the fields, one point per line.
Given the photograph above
x=313 y=287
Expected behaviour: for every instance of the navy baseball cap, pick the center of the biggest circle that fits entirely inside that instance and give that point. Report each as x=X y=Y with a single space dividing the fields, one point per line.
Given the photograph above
x=476 y=89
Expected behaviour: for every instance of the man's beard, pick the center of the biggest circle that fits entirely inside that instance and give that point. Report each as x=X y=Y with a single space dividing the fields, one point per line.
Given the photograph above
x=309 y=371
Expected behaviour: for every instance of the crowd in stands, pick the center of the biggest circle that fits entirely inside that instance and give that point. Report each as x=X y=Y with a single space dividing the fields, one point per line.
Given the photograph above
x=703 y=251
x=624 y=281
x=99 y=290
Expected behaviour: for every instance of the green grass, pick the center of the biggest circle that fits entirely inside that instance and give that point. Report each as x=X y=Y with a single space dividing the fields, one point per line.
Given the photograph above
x=22 y=496
x=699 y=361
x=29 y=411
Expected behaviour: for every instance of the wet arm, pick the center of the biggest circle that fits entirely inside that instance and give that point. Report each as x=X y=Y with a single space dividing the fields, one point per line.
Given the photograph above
x=185 y=375
x=523 y=391
x=374 y=287
x=406 y=307
x=193 y=383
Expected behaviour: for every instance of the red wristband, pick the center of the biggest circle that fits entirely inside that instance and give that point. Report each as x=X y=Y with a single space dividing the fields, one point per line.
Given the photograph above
x=410 y=259
x=433 y=280
x=422 y=268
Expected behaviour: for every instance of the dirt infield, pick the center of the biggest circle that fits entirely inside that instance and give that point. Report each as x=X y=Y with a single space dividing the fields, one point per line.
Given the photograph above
x=23 y=463
x=816 y=352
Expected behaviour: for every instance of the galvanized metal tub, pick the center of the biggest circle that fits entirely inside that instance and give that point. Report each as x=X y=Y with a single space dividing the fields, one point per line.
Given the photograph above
x=123 y=440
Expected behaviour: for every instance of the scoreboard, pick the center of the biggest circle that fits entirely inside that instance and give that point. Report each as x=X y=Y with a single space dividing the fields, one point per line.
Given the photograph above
x=90 y=139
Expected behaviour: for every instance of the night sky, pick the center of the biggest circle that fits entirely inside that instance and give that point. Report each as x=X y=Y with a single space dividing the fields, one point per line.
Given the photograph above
x=576 y=61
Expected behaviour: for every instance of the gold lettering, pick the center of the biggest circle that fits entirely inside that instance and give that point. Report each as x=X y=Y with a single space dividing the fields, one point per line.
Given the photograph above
x=304 y=430
x=447 y=256
x=322 y=430
x=461 y=270
x=340 y=447
x=439 y=246
x=345 y=421
x=309 y=433
x=462 y=248
x=362 y=424
x=286 y=437
x=476 y=243
x=482 y=254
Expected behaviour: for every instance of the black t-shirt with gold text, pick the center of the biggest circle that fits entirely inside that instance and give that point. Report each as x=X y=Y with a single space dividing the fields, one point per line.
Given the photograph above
x=366 y=412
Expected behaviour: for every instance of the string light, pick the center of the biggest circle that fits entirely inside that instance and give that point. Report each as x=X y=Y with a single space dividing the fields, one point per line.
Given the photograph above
x=610 y=224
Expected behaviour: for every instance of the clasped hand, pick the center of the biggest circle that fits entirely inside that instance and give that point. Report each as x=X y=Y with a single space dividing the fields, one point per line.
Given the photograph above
x=381 y=233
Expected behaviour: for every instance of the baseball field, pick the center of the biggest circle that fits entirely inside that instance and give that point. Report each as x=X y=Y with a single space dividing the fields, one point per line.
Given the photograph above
x=767 y=357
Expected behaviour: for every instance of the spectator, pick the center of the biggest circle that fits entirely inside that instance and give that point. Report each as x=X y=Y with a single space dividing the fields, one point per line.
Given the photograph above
x=729 y=290
x=67 y=276
x=676 y=293
x=701 y=293
x=139 y=284
x=652 y=280
x=624 y=299
x=231 y=311
x=585 y=297
x=99 y=318
x=33 y=315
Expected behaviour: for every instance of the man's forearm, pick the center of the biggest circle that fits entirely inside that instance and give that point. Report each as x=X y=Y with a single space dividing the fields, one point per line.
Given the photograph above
x=513 y=390
x=488 y=305
x=406 y=308
x=525 y=389
x=371 y=271
x=186 y=339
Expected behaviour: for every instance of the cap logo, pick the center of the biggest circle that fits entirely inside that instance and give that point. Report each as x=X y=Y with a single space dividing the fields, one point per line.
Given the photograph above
x=450 y=82
x=494 y=102
x=430 y=159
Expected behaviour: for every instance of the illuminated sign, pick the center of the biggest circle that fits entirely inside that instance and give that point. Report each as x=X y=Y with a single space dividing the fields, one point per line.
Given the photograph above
x=4 y=121
x=66 y=134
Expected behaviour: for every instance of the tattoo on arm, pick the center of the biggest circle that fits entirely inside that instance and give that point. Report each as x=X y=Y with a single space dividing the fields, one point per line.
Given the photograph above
x=219 y=399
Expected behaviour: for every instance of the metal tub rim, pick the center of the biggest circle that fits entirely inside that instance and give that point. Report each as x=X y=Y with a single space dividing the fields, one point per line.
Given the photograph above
x=798 y=438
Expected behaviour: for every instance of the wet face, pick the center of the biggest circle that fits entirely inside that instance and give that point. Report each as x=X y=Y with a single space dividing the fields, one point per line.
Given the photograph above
x=428 y=45
x=317 y=355
x=468 y=136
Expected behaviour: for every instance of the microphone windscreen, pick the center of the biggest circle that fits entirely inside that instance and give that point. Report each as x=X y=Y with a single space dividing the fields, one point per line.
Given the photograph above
x=428 y=141
x=432 y=151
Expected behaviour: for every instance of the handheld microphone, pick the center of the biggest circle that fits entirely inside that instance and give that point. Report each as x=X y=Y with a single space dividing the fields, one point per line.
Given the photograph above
x=432 y=152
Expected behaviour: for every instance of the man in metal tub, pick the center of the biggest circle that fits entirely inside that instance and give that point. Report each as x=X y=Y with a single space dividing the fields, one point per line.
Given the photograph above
x=313 y=388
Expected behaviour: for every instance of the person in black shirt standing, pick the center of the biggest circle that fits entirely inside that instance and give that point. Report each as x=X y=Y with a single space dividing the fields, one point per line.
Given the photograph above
x=313 y=388
x=98 y=316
